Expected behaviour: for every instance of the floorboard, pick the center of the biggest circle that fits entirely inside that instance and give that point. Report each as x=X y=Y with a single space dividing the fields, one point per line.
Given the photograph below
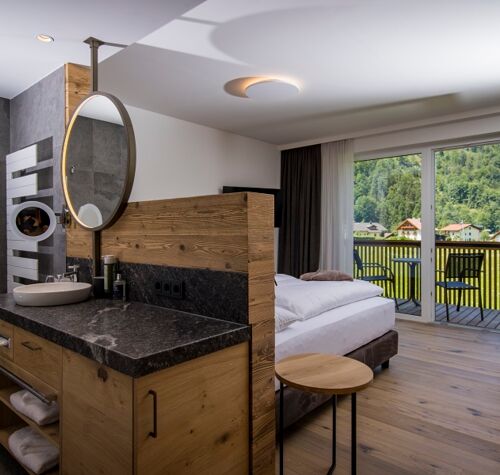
x=436 y=410
x=467 y=316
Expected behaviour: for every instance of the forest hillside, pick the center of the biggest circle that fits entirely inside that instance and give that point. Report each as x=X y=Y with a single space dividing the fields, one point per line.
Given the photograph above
x=467 y=188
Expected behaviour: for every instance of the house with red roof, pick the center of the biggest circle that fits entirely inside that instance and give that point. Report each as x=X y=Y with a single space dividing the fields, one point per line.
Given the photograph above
x=461 y=232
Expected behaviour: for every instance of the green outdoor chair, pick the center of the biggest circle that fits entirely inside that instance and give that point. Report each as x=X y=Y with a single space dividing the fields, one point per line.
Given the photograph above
x=379 y=273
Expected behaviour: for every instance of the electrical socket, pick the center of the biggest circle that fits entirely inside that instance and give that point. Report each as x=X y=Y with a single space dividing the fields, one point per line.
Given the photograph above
x=173 y=289
x=166 y=288
x=158 y=287
x=177 y=289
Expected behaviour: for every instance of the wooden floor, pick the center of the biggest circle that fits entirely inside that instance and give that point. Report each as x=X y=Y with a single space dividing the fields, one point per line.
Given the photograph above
x=468 y=316
x=436 y=410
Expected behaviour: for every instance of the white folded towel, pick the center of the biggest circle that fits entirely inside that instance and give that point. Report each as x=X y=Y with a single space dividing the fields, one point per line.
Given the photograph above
x=33 y=450
x=29 y=405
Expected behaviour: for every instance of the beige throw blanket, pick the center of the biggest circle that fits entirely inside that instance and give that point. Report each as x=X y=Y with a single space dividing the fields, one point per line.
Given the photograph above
x=334 y=275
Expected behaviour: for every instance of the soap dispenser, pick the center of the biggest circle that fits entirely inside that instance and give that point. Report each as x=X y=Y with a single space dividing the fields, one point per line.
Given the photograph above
x=119 y=288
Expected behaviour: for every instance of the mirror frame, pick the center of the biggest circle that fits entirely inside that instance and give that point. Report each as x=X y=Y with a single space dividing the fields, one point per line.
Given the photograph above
x=131 y=162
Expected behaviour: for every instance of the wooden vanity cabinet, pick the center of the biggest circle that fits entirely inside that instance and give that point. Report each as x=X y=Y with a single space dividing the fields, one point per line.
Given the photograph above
x=33 y=361
x=202 y=420
x=97 y=418
x=190 y=418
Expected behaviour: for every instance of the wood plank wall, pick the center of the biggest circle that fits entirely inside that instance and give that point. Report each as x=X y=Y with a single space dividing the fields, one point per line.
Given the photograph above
x=203 y=232
x=232 y=232
x=77 y=86
x=260 y=212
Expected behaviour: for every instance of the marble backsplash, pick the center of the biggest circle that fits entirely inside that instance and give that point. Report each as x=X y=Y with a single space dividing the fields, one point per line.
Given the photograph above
x=216 y=294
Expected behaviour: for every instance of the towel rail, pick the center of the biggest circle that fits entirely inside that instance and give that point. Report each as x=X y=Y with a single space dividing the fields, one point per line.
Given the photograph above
x=24 y=385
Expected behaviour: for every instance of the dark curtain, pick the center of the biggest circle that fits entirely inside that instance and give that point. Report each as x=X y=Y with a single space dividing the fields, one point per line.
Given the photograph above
x=299 y=239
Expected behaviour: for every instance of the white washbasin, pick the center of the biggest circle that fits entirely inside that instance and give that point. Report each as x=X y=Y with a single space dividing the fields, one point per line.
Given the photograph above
x=53 y=293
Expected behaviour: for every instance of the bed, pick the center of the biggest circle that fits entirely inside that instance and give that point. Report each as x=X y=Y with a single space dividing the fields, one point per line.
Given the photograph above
x=348 y=318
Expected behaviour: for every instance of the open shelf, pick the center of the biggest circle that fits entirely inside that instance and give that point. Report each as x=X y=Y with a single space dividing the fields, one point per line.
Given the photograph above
x=50 y=431
x=5 y=433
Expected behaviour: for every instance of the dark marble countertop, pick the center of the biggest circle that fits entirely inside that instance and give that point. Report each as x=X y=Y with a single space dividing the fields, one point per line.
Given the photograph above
x=132 y=338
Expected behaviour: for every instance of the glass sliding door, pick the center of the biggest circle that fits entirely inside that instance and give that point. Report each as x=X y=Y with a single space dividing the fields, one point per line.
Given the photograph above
x=387 y=227
x=467 y=239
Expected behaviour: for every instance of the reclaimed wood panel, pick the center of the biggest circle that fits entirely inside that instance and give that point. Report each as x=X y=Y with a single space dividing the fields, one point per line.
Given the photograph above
x=203 y=416
x=97 y=419
x=77 y=87
x=201 y=232
x=40 y=357
x=230 y=232
x=261 y=318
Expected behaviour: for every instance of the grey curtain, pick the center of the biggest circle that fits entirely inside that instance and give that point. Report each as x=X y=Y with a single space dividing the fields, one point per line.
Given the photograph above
x=300 y=232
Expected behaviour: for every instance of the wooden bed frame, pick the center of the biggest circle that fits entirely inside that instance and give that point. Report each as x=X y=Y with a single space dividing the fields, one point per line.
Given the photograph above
x=376 y=353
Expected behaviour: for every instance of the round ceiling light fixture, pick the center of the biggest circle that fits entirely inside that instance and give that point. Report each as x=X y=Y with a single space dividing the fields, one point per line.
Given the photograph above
x=44 y=38
x=271 y=90
x=265 y=88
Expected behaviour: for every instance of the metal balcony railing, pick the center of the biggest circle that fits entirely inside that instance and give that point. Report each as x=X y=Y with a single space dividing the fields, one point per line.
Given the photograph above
x=384 y=251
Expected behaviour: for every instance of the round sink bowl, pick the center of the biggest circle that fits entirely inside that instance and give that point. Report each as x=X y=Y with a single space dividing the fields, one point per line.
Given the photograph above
x=50 y=294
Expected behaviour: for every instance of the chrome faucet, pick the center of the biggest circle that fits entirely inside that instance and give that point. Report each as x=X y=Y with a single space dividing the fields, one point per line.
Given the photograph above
x=73 y=273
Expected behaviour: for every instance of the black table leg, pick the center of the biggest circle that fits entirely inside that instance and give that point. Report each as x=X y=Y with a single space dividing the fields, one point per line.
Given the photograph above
x=282 y=427
x=413 y=285
x=334 y=435
x=354 y=443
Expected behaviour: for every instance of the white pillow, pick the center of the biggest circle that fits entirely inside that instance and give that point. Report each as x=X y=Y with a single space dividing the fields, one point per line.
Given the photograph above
x=283 y=318
x=311 y=298
x=282 y=279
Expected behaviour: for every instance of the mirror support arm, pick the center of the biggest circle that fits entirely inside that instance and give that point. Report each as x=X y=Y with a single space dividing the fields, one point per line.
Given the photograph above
x=94 y=44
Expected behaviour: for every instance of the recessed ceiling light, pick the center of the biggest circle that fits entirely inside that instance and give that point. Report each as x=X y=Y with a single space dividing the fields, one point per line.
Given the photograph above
x=271 y=90
x=44 y=38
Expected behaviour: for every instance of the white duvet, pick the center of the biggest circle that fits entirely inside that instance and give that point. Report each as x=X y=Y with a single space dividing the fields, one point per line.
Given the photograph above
x=308 y=299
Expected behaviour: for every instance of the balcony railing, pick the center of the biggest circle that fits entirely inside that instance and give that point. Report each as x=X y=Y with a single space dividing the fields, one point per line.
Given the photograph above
x=383 y=252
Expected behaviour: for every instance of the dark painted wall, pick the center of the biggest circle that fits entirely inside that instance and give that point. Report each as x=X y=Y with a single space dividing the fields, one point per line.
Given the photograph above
x=4 y=150
x=37 y=115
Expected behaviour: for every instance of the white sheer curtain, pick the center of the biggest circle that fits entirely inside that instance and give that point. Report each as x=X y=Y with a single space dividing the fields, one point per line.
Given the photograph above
x=337 y=208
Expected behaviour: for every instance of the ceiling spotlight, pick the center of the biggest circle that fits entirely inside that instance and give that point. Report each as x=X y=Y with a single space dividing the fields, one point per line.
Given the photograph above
x=44 y=38
x=271 y=90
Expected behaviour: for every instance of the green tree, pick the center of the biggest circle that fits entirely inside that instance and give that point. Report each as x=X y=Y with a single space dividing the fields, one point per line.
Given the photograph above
x=365 y=210
x=467 y=188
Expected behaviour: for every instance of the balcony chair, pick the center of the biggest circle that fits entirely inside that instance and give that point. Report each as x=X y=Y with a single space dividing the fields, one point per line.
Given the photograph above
x=462 y=272
x=382 y=274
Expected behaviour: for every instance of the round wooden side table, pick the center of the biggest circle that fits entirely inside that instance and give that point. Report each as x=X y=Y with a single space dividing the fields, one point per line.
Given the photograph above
x=326 y=374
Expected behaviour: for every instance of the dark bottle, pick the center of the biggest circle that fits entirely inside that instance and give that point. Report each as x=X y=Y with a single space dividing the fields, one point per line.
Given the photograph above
x=119 y=288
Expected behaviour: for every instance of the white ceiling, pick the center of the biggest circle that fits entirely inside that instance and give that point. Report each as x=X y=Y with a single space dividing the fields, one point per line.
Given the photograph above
x=24 y=60
x=361 y=63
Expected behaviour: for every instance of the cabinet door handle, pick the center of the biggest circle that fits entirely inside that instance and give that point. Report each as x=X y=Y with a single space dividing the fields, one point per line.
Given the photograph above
x=154 y=433
x=31 y=346
x=4 y=342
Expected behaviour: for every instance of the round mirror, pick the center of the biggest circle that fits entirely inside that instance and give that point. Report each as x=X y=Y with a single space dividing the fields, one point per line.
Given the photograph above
x=33 y=220
x=98 y=162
